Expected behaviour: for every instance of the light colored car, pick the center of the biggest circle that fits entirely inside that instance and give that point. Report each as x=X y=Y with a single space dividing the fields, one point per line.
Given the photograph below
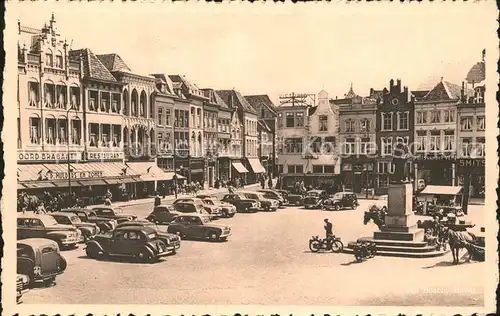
x=226 y=209
x=213 y=210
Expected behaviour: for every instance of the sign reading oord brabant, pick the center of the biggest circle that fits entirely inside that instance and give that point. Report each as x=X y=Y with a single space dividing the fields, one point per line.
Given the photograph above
x=47 y=156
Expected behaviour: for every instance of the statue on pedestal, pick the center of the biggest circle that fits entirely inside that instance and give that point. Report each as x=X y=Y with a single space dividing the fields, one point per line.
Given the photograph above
x=401 y=165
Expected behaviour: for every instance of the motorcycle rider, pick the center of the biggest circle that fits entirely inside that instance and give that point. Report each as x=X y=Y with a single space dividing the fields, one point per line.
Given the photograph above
x=328 y=228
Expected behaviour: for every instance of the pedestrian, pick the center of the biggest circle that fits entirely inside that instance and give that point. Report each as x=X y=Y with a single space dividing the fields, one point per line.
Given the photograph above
x=41 y=208
x=328 y=228
x=157 y=199
x=270 y=183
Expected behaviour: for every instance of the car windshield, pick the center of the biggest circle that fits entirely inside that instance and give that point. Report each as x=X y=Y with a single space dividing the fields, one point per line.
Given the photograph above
x=209 y=202
x=49 y=221
x=75 y=219
x=118 y=210
x=337 y=196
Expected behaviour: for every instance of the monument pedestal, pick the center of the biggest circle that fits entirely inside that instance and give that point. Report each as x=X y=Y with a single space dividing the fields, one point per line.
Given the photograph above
x=400 y=236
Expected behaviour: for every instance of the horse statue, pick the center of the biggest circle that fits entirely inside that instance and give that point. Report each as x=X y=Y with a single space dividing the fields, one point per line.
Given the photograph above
x=464 y=239
x=377 y=215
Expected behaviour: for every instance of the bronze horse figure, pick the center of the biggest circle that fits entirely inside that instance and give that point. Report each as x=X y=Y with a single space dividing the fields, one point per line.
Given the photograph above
x=461 y=239
x=376 y=215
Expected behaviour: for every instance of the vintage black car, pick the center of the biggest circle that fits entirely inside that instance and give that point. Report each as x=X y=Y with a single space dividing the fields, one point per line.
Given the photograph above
x=115 y=213
x=45 y=226
x=88 y=230
x=242 y=203
x=22 y=286
x=341 y=200
x=315 y=198
x=290 y=198
x=273 y=195
x=89 y=216
x=142 y=243
x=198 y=227
x=162 y=214
x=265 y=203
x=40 y=260
x=172 y=241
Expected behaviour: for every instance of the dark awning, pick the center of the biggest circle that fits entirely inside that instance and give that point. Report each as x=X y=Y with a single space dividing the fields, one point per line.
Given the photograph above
x=64 y=184
x=92 y=182
x=39 y=185
x=130 y=179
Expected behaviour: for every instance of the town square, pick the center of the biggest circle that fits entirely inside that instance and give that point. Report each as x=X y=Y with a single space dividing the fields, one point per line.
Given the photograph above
x=141 y=181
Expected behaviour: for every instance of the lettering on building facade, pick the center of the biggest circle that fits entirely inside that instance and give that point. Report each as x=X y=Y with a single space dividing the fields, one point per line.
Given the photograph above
x=24 y=156
x=50 y=175
x=100 y=156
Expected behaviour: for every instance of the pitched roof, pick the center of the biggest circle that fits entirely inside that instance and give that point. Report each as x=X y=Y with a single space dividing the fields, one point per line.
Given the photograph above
x=444 y=90
x=165 y=81
x=419 y=94
x=263 y=125
x=477 y=73
x=114 y=62
x=189 y=87
x=92 y=66
x=255 y=100
x=350 y=94
x=235 y=100
x=214 y=97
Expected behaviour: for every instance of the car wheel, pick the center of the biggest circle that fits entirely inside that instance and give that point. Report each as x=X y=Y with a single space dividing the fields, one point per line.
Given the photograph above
x=337 y=207
x=92 y=251
x=223 y=239
x=353 y=207
x=213 y=236
x=144 y=256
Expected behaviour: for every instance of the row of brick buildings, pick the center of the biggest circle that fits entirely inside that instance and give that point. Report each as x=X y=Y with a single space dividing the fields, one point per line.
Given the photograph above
x=350 y=141
x=88 y=120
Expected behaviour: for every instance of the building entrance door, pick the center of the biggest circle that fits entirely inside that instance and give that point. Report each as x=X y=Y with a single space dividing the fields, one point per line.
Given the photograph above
x=357 y=185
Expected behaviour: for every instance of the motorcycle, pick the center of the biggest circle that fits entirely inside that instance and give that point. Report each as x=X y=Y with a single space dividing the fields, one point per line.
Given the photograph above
x=364 y=250
x=333 y=244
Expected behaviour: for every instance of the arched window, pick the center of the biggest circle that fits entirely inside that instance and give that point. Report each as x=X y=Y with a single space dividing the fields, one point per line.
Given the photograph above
x=126 y=102
x=134 y=103
x=59 y=60
x=143 y=105
x=49 y=58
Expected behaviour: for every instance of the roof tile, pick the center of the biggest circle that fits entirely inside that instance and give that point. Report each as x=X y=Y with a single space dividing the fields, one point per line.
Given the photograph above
x=92 y=66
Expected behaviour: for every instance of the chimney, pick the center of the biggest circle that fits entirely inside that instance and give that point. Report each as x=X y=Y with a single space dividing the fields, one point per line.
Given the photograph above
x=19 y=26
x=399 y=84
x=391 y=84
x=462 y=92
x=405 y=92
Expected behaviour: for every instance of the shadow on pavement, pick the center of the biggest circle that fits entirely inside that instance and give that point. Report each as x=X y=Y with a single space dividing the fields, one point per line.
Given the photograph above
x=118 y=259
x=346 y=264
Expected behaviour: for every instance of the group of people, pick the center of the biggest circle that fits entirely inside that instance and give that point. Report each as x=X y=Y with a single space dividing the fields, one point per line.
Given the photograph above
x=47 y=202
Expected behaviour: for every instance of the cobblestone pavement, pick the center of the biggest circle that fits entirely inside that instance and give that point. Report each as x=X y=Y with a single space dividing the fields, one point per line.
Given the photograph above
x=267 y=261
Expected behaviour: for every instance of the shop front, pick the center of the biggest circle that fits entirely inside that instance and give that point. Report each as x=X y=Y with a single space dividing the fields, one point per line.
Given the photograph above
x=471 y=175
x=256 y=168
x=197 y=170
x=436 y=169
x=152 y=179
x=238 y=170
x=88 y=180
x=224 y=168
x=358 y=174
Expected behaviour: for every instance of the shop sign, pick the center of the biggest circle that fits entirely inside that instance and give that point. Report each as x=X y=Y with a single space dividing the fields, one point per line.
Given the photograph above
x=104 y=155
x=469 y=162
x=424 y=157
x=43 y=156
x=50 y=175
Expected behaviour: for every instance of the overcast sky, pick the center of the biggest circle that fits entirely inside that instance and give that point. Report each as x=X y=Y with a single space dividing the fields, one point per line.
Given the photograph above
x=275 y=48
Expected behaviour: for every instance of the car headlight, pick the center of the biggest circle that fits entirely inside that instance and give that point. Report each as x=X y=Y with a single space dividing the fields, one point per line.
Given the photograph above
x=25 y=279
x=37 y=270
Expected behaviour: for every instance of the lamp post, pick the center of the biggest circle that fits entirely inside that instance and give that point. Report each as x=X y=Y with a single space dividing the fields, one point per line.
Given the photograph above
x=67 y=149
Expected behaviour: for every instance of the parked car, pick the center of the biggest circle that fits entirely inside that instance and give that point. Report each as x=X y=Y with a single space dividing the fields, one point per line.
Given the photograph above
x=89 y=216
x=46 y=226
x=196 y=226
x=273 y=195
x=88 y=230
x=115 y=213
x=315 y=198
x=211 y=209
x=265 y=203
x=206 y=196
x=40 y=260
x=142 y=243
x=341 y=200
x=162 y=214
x=290 y=198
x=22 y=286
x=227 y=210
x=184 y=208
x=172 y=241
x=242 y=203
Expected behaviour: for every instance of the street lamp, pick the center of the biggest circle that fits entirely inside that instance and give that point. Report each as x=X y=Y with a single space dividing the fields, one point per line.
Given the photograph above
x=67 y=148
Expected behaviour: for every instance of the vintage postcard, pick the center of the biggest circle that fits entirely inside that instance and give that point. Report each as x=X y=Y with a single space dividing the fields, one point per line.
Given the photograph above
x=251 y=159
